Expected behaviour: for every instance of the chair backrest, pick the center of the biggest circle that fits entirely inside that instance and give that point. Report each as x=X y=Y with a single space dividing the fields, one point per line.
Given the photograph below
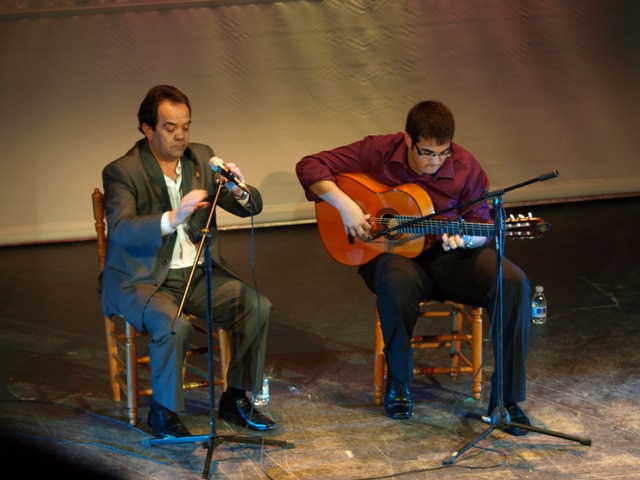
x=100 y=225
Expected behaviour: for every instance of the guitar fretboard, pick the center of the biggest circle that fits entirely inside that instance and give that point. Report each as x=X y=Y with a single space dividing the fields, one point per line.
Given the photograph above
x=438 y=227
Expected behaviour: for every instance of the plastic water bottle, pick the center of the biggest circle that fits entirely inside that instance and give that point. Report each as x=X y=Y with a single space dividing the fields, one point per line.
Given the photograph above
x=262 y=398
x=539 y=306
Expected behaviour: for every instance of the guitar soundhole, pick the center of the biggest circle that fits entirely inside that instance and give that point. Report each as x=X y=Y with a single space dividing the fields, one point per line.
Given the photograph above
x=387 y=219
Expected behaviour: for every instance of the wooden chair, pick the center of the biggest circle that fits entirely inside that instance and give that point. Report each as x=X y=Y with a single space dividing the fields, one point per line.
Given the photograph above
x=126 y=357
x=465 y=332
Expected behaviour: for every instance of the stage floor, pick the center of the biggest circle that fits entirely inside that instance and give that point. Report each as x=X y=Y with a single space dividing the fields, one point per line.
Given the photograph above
x=583 y=368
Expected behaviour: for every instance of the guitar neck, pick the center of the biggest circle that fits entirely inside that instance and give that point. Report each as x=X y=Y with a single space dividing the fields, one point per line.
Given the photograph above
x=439 y=226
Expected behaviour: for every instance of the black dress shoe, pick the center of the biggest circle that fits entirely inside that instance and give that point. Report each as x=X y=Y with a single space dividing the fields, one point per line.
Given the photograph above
x=238 y=410
x=515 y=415
x=165 y=422
x=397 y=399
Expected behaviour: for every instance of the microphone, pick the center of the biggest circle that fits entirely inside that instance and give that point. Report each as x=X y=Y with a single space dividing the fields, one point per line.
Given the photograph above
x=218 y=165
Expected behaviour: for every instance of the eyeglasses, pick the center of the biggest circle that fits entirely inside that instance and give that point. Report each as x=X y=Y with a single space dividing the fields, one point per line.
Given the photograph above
x=428 y=153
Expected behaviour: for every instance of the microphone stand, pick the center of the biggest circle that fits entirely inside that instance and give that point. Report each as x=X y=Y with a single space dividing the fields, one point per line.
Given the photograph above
x=499 y=418
x=212 y=440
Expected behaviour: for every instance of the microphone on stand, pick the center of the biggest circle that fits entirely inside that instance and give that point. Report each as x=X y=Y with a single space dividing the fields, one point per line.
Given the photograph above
x=218 y=165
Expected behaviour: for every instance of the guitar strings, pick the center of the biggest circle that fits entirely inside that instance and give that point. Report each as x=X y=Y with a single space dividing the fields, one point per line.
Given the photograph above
x=398 y=225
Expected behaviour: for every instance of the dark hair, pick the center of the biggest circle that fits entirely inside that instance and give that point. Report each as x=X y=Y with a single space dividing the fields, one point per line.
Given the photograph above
x=430 y=120
x=148 y=112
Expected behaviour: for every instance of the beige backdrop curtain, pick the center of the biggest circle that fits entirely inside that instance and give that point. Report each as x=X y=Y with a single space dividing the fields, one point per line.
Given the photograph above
x=536 y=86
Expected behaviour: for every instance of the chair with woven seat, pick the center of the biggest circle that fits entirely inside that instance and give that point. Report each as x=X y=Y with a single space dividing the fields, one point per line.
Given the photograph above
x=126 y=357
x=465 y=334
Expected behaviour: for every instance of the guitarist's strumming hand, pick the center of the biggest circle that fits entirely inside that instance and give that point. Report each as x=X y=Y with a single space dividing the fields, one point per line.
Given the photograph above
x=451 y=242
x=355 y=220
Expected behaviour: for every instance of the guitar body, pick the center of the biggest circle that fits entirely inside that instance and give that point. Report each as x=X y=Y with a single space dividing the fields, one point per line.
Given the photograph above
x=383 y=203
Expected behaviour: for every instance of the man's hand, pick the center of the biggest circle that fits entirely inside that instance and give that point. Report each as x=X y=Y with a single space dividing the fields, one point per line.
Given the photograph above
x=192 y=201
x=451 y=242
x=356 y=222
x=235 y=189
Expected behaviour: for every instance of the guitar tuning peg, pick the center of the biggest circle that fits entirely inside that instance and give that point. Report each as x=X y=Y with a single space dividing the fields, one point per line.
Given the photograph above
x=520 y=216
x=530 y=215
x=512 y=217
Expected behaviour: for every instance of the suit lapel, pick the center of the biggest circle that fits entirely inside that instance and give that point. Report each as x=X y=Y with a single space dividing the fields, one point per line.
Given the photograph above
x=191 y=175
x=156 y=176
x=193 y=178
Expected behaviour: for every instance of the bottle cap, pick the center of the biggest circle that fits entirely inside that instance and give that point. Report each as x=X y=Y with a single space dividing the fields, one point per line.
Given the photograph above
x=539 y=288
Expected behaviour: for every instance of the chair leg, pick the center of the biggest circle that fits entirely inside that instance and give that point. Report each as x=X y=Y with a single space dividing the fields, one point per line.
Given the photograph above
x=456 y=328
x=225 y=356
x=378 y=362
x=112 y=352
x=132 y=375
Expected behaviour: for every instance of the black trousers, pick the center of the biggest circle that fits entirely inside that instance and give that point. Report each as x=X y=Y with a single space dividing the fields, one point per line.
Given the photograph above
x=465 y=276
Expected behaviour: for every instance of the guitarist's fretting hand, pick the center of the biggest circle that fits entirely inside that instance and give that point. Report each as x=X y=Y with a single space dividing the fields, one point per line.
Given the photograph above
x=451 y=242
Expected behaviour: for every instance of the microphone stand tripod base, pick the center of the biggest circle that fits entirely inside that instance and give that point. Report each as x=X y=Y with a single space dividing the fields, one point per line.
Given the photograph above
x=500 y=422
x=210 y=442
x=215 y=440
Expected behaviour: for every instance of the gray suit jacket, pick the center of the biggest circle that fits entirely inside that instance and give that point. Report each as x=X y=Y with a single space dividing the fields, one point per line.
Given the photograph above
x=138 y=256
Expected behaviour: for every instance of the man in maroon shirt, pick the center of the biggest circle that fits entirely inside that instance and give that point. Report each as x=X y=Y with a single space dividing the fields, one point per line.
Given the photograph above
x=456 y=267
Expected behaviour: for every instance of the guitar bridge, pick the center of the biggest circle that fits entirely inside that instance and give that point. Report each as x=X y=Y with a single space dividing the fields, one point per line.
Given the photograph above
x=374 y=235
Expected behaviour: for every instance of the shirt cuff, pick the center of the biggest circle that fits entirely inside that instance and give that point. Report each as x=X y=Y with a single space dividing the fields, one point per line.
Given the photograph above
x=165 y=226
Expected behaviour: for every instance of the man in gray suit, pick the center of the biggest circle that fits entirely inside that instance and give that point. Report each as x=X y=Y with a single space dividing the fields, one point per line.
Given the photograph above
x=157 y=200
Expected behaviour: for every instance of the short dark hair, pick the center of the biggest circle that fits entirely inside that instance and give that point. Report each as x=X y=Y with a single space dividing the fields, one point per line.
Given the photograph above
x=148 y=112
x=430 y=119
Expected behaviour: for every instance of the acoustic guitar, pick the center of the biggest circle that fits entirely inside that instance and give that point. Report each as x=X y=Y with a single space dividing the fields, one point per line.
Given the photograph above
x=397 y=223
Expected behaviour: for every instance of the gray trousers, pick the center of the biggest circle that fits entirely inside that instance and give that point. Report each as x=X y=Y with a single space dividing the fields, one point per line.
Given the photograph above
x=236 y=307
